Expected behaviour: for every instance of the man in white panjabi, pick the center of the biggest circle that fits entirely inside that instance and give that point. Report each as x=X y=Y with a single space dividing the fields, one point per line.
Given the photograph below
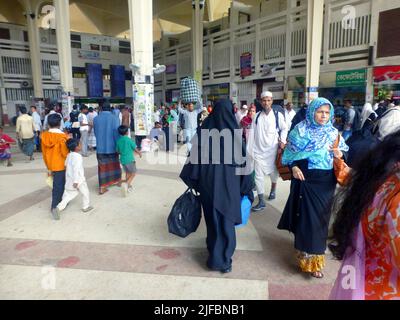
x=268 y=130
x=241 y=113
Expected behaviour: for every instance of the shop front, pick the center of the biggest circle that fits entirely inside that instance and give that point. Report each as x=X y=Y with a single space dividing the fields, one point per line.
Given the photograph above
x=344 y=85
x=213 y=93
x=387 y=83
x=295 y=92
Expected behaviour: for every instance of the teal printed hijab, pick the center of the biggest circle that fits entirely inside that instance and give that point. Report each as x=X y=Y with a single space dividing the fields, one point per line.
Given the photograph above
x=310 y=140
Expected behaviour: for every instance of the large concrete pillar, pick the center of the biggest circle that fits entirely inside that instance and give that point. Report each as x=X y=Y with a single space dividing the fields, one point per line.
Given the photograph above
x=34 y=47
x=315 y=20
x=288 y=48
x=141 y=30
x=64 y=50
x=369 y=94
x=197 y=40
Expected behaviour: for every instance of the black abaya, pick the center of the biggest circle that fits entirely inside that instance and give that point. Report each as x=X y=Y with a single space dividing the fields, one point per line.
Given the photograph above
x=220 y=188
x=307 y=211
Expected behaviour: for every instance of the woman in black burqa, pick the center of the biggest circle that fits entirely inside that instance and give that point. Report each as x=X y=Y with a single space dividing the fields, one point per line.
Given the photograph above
x=220 y=181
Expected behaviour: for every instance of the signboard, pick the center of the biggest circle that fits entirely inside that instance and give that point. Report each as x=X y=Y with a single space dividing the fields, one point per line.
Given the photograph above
x=143 y=104
x=67 y=101
x=387 y=75
x=245 y=64
x=219 y=91
x=91 y=55
x=170 y=69
x=351 y=78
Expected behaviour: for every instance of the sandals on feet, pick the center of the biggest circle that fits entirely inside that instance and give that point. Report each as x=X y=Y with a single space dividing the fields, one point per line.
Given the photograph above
x=103 y=191
x=317 y=274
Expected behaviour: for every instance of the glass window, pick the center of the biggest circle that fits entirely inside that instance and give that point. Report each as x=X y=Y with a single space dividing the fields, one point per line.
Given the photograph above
x=95 y=47
x=76 y=45
x=125 y=50
x=106 y=48
x=125 y=44
x=5 y=33
x=75 y=37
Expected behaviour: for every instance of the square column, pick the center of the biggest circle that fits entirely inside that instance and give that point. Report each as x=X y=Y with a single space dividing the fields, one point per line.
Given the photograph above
x=34 y=46
x=315 y=19
x=197 y=40
x=141 y=33
x=64 y=49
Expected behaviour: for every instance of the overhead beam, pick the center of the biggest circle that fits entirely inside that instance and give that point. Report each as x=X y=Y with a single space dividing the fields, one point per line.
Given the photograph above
x=161 y=7
x=117 y=8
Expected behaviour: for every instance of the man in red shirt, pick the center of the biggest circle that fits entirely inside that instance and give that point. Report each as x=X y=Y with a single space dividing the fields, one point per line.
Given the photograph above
x=5 y=148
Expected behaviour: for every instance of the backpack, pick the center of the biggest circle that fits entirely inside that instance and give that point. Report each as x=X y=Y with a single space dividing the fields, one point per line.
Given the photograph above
x=276 y=114
x=74 y=117
x=357 y=120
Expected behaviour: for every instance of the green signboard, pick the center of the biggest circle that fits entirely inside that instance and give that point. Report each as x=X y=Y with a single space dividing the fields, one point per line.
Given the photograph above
x=351 y=78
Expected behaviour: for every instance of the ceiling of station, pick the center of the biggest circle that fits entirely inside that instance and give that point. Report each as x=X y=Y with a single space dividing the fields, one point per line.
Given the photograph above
x=110 y=17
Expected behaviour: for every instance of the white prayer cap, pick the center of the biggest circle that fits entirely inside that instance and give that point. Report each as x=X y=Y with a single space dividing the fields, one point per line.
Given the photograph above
x=245 y=107
x=266 y=94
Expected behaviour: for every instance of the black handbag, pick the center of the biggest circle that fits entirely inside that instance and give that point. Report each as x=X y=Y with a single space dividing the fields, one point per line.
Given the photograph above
x=185 y=215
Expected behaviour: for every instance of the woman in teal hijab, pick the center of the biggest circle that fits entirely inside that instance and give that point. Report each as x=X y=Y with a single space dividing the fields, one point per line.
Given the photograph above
x=309 y=153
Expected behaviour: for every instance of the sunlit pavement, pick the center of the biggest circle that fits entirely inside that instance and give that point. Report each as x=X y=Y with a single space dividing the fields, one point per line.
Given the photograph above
x=124 y=251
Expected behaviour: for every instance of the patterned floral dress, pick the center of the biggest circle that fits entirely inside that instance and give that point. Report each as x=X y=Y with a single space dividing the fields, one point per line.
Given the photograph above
x=381 y=228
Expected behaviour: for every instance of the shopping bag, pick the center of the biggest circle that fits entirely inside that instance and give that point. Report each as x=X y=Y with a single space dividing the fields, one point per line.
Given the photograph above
x=245 y=208
x=190 y=92
x=185 y=215
x=49 y=181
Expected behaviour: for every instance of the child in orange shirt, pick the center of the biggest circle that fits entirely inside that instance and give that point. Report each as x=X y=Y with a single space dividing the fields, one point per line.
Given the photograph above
x=55 y=152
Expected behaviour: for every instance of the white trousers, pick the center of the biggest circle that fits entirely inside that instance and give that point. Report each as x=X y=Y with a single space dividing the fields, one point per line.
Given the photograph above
x=189 y=134
x=260 y=178
x=69 y=195
x=84 y=142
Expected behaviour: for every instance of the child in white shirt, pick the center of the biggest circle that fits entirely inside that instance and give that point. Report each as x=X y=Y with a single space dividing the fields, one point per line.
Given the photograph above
x=75 y=181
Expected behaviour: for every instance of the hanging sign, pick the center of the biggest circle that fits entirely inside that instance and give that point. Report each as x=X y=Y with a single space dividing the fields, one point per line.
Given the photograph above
x=245 y=64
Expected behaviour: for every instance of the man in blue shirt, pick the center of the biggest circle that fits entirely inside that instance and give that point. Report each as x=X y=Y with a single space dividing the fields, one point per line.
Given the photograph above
x=106 y=131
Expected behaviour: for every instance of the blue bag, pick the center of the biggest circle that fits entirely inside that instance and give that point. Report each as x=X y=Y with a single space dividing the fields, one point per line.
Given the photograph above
x=245 y=210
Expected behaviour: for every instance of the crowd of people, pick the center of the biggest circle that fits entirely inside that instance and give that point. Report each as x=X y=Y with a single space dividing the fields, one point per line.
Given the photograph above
x=311 y=139
x=311 y=143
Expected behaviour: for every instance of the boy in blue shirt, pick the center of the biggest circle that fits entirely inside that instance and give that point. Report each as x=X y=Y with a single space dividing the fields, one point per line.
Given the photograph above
x=126 y=148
